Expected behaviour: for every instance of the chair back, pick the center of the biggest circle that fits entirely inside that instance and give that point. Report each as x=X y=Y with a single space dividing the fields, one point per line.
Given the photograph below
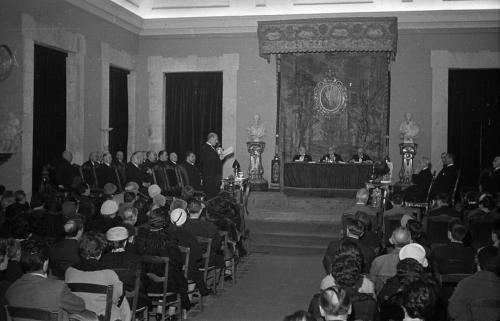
x=390 y=223
x=14 y=313
x=437 y=228
x=164 y=262
x=107 y=290
x=206 y=245
x=455 y=188
x=137 y=286
x=483 y=310
x=452 y=278
x=185 y=251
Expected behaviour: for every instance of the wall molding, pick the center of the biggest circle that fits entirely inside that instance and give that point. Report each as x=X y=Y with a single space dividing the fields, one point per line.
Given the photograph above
x=158 y=66
x=74 y=44
x=441 y=62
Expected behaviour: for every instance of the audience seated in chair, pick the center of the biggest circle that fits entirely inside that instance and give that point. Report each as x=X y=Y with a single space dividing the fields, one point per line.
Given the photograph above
x=421 y=180
x=419 y=301
x=333 y=303
x=484 y=284
x=362 y=196
x=108 y=218
x=65 y=253
x=398 y=207
x=486 y=210
x=384 y=267
x=443 y=207
x=369 y=238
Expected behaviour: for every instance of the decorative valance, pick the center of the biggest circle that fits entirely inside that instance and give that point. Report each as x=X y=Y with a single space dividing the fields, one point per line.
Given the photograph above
x=328 y=35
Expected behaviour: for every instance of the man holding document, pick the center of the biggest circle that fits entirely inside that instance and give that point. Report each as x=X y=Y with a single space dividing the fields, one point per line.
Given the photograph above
x=212 y=158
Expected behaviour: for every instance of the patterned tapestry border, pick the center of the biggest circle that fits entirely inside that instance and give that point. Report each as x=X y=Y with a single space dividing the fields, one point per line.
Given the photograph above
x=328 y=35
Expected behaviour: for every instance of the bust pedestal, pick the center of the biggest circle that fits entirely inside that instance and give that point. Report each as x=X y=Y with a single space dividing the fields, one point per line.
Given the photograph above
x=255 y=169
x=407 y=152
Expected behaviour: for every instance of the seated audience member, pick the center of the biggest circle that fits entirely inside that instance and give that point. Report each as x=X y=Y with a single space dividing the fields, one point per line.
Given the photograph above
x=332 y=156
x=299 y=316
x=188 y=193
x=398 y=207
x=302 y=156
x=66 y=252
x=108 y=218
x=362 y=196
x=19 y=206
x=129 y=215
x=192 y=171
x=361 y=157
x=154 y=238
x=345 y=245
x=454 y=257
x=333 y=303
x=495 y=234
x=91 y=270
x=421 y=180
x=443 y=207
x=13 y=270
x=35 y=290
x=106 y=172
x=485 y=210
x=369 y=238
x=417 y=234
x=484 y=284
x=86 y=205
x=446 y=178
x=490 y=182
x=419 y=301
x=384 y=266
x=414 y=251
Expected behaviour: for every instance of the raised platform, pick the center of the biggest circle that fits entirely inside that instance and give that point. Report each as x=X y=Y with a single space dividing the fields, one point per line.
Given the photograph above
x=293 y=225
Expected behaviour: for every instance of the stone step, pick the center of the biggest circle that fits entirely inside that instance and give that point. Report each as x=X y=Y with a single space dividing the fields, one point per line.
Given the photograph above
x=287 y=227
x=299 y=239
x=287 y=249
x=278 y=200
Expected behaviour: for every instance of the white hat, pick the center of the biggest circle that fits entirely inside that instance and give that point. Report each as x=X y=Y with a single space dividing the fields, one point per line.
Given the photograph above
x=109 y=207
x=154 y=190
x=159 y=200
x=178 y=216
x=118 y=233
x=414 y=251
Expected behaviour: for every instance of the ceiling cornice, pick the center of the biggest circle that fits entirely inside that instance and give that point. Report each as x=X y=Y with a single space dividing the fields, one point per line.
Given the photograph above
x=407 y=20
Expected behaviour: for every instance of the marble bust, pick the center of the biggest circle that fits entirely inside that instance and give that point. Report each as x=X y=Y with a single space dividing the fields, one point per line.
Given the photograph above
x=256 y=130
x=408 y=129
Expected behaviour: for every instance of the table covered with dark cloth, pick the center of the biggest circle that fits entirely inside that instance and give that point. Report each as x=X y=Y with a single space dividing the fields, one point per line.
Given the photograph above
x=326 y=175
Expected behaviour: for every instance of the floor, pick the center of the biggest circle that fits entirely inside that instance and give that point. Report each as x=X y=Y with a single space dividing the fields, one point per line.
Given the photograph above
x=268 y=287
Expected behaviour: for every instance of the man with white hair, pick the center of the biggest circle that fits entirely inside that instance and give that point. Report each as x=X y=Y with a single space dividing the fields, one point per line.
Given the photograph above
x=134 y=171
x=362 y=196
x=90 y=169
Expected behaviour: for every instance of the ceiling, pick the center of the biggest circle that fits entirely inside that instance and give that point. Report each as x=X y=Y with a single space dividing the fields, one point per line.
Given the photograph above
x=173 y=17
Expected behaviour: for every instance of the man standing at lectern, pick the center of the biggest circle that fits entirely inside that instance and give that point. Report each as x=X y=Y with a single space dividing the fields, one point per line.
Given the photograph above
x=211 y=166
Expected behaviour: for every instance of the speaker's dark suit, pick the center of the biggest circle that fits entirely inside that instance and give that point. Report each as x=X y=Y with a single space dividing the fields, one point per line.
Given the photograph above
x=418 y=191
x=307 y=158
x=211 y=170
x=336 y=158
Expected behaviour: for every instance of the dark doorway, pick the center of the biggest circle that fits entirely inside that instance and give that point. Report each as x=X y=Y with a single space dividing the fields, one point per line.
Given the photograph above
x=193 y=108
x=118 y=110
x=49 y=111
x=473 y=121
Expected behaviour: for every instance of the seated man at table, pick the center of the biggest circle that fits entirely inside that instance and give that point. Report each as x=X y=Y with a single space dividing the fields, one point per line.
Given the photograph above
x=302 y=156
x=331 y=157
x=361 y=157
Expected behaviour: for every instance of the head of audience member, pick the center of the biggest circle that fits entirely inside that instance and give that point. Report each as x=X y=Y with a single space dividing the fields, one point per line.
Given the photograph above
x=117 y=237
x=419 y=300
x=73 y=228
x=178 y=217
x=94 y=157
x=136 y=158
x=346 y=270
x=154 y=190
x=67 y=156
x=129 y=197
x=443 y=199
x=409 y=270
x=109 y=209
x=157 y=219
x=163 y=155
x=444 y=158
x=107 y=158
x=486 y=202
x=456 y=232
x=212 y=139
x=83 y=189
x=302 y=150
x=173 y=157
x=151 y=156
x=187 y=193
x=299 y=316
x=334 y=303
x=364 y=218
x=496 y=162
x=4 y=258
x=190 y=157
x=110 y=189
x=362 y=196
x=405 y=219
x=416 y=230
x=400 y=237
x=345 y=246
x=92 y=245
x=129 y=215
x=487 y=259
x=354 y=228
x=495 y=233
x=8 y=199
x=178 y=203
x=414 y=251
x=132 y=187
x=34 y=257
x=119 y=156
x=194 y=209
x=20 y=197
x=471 y=198
x=397 y=200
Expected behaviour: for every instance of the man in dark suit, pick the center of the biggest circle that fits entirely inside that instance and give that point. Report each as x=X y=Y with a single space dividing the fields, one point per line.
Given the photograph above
x=135 y=173
x=490 y=183
x=447 y=176
x=90 y=169
x=35 y=290
x=211 y=166
x=65 y=172
x=192 y=171
x=119 y=164
x=65 y=253
x=421 y=180
x=454 y=257
x=302 y=156
x=331 y=157
x=361 y=157
x=443 y=207
x=149 y=165
x=107 y=173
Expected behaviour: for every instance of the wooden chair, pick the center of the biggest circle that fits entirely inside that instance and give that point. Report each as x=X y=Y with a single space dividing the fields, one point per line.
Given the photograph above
x=483 y=310
x=195 y=292
x=14 y=313
x=96 y=289
x=389 y=224
x=228 y=248
x=135 y=298
x=437 y=228
x=160 y=299
x=209 y=271
x=455 y=188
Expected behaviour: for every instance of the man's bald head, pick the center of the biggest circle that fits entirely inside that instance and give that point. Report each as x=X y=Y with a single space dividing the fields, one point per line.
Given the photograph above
x=67 y=156
x=400 y=237
x=362 y=196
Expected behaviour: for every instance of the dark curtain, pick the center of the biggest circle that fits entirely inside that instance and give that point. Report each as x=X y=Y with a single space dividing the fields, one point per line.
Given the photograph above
x=118 y=110
x=364 y=121
x=473 y=118
x=193 y=108
x=49 y=110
